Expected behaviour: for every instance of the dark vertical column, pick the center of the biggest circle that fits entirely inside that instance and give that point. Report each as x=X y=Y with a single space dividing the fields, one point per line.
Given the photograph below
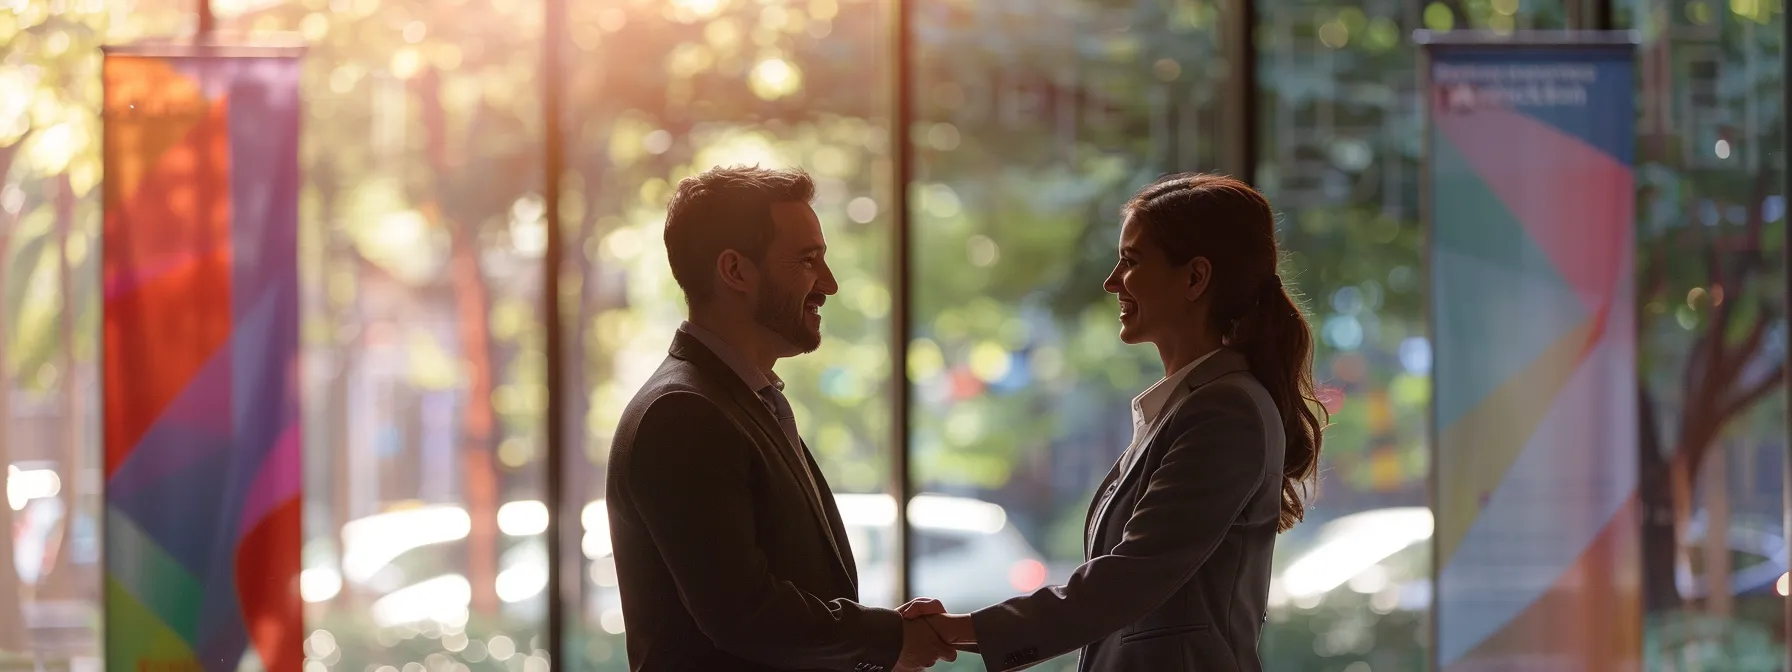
x=1590 y=14
x=1604 y=13
x=1238 y=143
x=1244 y=71
x=561 y=592
x=902 y=116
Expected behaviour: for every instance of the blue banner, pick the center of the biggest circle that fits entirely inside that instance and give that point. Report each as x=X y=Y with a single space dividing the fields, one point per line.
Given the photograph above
x=1530 y=204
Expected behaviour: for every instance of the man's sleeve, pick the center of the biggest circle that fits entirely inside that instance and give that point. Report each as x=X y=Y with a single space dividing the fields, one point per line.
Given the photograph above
x=1215 y=464
x=691 y=482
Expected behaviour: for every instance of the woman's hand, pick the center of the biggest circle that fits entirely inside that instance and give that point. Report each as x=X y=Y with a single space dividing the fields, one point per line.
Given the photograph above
x=921 y=606
x=954 y=629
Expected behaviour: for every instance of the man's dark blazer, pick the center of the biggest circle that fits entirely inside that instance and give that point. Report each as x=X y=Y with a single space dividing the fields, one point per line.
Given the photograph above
x=725 y=559
x=1181 y=548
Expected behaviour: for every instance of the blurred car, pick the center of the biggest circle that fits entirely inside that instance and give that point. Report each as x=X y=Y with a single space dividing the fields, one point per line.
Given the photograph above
x=1758 y=558
x=966 y=553
x=1386 y=551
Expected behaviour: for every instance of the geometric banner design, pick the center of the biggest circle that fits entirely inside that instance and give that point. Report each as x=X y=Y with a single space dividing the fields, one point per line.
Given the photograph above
x=200 y=365
x=1531 y=200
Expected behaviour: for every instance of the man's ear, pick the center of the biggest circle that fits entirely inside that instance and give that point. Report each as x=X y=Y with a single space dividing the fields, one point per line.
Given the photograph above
x=735 y=271
x=1200 y=273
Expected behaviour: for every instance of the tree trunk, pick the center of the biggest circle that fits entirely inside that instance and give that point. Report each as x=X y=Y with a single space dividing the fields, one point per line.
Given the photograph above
x=339 y=256
x=574 y=432
x=473 y=308
x=337 y=413
x=1716 y=482
x=61 y=581
x=592 y=300
x=1660 y=538
x=1680 y=492
x=477 y=426
x=12 y=618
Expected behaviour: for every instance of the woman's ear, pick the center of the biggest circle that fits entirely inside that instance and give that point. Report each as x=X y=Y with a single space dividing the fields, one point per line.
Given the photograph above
x=1200 y=273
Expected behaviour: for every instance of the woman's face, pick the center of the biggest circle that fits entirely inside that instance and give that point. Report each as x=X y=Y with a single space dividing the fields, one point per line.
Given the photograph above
x=1156 y=298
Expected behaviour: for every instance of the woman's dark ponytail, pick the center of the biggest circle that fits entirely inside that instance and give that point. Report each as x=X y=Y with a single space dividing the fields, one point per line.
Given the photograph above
x=1276 y=341
x=1227 y=222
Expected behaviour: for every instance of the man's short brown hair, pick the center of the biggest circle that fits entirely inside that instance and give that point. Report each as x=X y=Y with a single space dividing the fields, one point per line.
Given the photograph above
x=725 y=208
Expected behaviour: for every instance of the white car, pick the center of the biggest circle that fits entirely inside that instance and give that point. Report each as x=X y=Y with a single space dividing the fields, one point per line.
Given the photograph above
x=965 y=552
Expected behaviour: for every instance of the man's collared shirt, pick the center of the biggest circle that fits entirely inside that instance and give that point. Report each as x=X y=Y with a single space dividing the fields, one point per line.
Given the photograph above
x=755 y=379
x=758 y=381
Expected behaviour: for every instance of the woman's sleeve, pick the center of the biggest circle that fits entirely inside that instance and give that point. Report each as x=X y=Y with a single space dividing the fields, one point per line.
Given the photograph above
x=1211 y=470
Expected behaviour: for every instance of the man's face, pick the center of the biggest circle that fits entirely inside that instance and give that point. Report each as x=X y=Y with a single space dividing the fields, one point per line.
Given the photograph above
x=794 y=278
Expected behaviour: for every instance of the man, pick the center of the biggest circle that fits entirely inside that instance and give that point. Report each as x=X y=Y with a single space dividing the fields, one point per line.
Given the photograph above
x=729 y=547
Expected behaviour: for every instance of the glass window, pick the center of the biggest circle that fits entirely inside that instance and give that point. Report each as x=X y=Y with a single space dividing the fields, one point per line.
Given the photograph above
x=50 y=204
x=421 y=247
x=660 y=91
x=424 y=237
x=1034 y=123
x=1340 y=146
x=1711 y=181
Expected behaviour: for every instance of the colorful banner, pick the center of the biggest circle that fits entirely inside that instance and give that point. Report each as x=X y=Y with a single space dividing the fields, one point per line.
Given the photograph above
x=201 y=345
x=1530 y=202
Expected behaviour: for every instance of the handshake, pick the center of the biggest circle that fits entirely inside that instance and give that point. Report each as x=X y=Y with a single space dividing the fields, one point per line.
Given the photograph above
x=930 y=635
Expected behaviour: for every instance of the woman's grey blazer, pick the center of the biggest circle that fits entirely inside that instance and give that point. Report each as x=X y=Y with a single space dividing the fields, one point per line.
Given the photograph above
x=1178 y=575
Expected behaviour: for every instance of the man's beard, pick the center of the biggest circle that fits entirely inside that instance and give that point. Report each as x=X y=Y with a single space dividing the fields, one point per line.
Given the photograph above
x=782 y=312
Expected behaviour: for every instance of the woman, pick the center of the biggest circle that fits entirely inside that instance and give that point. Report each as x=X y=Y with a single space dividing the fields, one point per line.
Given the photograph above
x=1181 y=531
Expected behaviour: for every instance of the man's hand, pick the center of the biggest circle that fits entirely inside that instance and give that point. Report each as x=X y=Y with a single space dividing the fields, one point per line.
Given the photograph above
x=922 y=647
x=954 y=629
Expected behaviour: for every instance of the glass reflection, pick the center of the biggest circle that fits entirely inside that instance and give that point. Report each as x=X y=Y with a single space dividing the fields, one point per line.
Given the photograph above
x=660 y=91
x=424 y=234
x=1341 y=124
x=50 y=205
x=1711 y=182
x=421 y=249
x=1035 y=122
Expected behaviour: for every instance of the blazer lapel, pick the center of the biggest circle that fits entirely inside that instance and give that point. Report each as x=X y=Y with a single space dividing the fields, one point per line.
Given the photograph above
x=1120 y=479
x=1220 y=364
x=1096 y=505
x=834 y=521
x=688 y=348
x=787 y=454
